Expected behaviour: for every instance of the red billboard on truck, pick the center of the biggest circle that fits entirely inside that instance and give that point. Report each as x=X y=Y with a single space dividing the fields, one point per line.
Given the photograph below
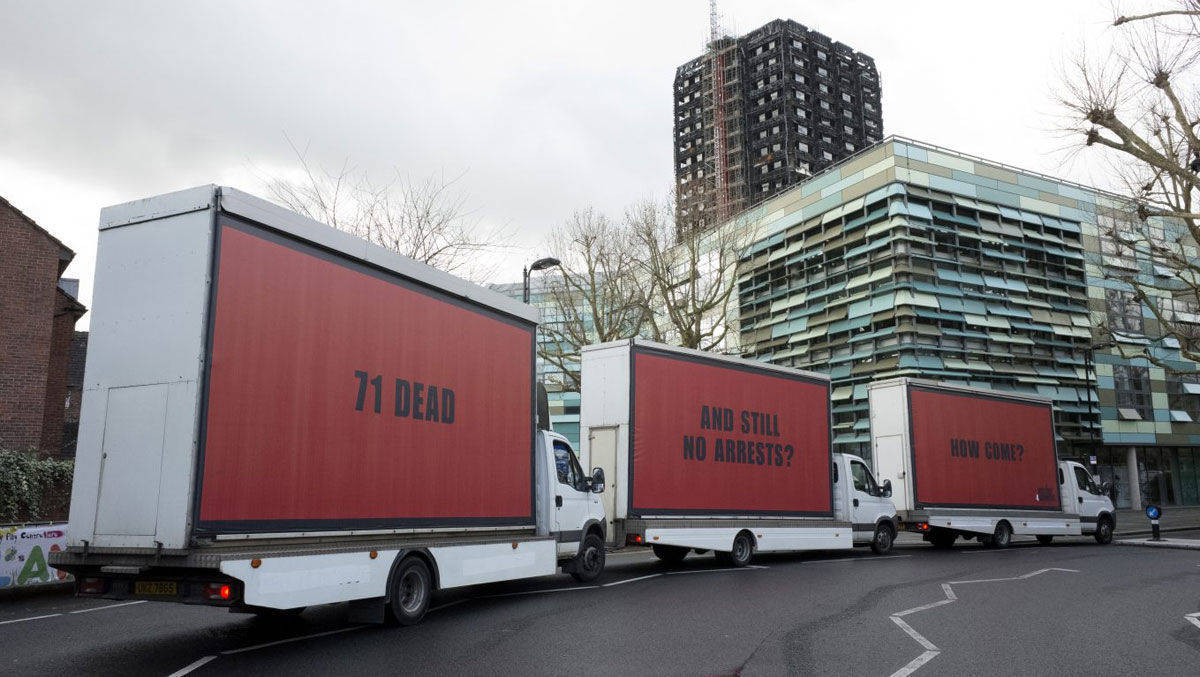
x=344 y=396
x=710 y=437
x=972 y=450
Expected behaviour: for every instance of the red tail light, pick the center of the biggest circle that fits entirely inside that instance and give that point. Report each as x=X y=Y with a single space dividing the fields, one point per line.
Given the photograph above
x=218 y=591
x=922 y=526
x=634 y=539
x=92 y=586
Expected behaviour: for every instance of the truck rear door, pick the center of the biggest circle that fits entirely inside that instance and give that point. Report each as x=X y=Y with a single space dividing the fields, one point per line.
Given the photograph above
x=602 y=446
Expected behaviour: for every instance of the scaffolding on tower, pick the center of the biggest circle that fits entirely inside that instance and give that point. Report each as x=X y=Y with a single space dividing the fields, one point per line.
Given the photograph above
x=720 y=50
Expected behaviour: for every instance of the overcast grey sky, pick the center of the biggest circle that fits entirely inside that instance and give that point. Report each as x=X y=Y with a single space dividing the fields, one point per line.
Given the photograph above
x=546 y=106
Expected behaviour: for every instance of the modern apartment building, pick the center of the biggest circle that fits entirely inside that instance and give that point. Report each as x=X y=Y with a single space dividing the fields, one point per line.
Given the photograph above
x=759 y=113
x=909 y=259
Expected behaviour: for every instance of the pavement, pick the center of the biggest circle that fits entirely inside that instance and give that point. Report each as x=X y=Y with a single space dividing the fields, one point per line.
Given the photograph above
x=1134 y=522
x=1028 y=609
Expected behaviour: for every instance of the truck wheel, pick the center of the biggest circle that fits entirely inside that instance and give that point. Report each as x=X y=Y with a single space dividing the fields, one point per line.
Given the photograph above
x=1104 y=531
x=411 y=591
x=589 y=563
x=881 y=544
x=671 y=554
x=743 y=551
x=1045 y=539
x=1001 y=537
x=943 y=540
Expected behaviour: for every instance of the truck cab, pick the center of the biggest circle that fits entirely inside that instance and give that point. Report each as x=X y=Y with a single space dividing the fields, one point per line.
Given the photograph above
x=1082 y=495
x=569 y=509
x=865 y=503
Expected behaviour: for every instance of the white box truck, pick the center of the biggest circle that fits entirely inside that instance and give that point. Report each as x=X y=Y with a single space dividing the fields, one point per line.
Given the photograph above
x=277 y=414
x=977 y=463
x=708 y=452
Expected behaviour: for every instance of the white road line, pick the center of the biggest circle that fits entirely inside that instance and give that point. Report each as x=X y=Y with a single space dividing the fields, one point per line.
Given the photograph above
x=193 y=666
x=929 y=646
x=110 y=606
x=289 y=640
x=78 y=611
x=923 y=607
x=203 y=661
x=931 y=650
x=915 y=663
x=853 y=559
x=534 y=592
x=1194 y=619
x=993 y=551
x=630 y=580
x=31 y=618
x=1017 y=578
x=713 y=571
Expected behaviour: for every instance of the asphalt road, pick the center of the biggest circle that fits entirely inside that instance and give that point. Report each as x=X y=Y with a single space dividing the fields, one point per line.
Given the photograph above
x=1068 y=609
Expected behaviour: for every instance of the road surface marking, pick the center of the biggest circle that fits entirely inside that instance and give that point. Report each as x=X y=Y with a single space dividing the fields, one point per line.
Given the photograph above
x=630 y=580
x=931 y=649
x=31 y=618
x=534 y=592
x=229 y=652
x=289 y=640
x=986 y=550
x=110 y=606
x=1194 y=619
x=853 y=559
x=713 y=571
x=77 y=611
x=192 y=667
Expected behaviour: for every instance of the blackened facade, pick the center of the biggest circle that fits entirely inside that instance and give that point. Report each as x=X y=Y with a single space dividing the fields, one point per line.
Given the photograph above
x=789 y=102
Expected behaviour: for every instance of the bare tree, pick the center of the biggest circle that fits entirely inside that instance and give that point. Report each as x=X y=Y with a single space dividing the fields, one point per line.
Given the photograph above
x=691 y=276
x=1140 y=107
x=595 y=296
x=426 y=219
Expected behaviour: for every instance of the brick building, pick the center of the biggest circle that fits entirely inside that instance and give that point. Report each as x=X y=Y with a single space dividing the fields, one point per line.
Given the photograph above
x=37 y=322
x=75 y=364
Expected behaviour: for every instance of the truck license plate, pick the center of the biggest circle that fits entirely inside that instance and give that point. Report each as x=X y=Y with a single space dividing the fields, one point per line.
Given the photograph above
x=156 y=588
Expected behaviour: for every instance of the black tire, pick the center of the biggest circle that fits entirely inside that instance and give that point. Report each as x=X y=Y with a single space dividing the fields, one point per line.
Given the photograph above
x=671 y=554
x=412 y=589
x=881 y=543
x=589 y=563
x=1045 y=539
x=942 y=539
x=1001 y=538
x=742 y=553
x=1104 y=530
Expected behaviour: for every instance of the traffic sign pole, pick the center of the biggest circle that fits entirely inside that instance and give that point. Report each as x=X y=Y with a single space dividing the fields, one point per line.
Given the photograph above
x=1153 y=512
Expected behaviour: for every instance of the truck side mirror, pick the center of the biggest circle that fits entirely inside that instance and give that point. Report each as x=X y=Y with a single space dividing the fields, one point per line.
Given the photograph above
x=598 y=480
x=887 y=489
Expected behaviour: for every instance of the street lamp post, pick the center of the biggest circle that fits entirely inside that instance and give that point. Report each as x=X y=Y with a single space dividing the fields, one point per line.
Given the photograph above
x=540 y=264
